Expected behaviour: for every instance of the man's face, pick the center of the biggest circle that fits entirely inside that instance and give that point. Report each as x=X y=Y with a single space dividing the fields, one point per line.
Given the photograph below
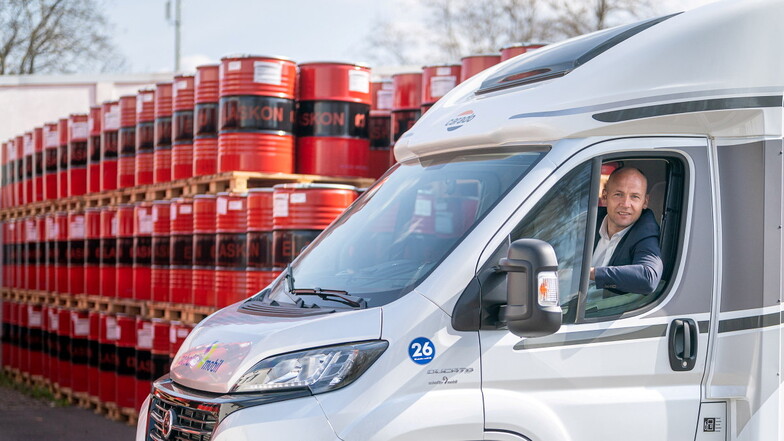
x=625 y=197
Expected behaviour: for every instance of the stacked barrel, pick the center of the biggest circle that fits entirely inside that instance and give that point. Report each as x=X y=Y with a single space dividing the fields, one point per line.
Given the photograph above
x=125 y=225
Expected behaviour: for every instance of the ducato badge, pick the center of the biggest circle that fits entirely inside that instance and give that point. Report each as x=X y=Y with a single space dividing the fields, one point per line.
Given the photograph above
x=460 y=120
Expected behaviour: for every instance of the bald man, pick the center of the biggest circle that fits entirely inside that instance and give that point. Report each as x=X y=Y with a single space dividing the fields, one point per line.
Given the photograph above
x=626 y=255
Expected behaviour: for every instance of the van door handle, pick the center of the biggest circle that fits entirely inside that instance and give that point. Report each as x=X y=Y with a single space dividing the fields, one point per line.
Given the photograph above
x=682 y=339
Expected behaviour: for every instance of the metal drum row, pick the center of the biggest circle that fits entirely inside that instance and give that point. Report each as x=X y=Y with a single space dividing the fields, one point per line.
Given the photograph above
x=209 y=250
x=109 y=357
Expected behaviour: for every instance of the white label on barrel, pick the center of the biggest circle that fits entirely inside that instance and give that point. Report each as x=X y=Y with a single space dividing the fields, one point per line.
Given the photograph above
x=34 y=317
x=52 y=138
x=54 y=320
x=79 y=130
x=144 y=336
x=186 y=209
x=267 y=73
x=173 y=212
x=182 y=84
x=182 y=332
x=112 y=330
x=223 y=204
x=155 y=213
x=172 y=335
x=439 y=86
x=113 y=227
x=280 y=205
x=384 y=99
x=443 y=71
x=111 y=119
x=77 y=228
x=235 y=205
x=299 y=198
x=28 y=145
x=358 y=81
x=81 y=325
x=423 y=207
x=235 y=65
x=145 y=222
x=51 y=229
x=31 y=231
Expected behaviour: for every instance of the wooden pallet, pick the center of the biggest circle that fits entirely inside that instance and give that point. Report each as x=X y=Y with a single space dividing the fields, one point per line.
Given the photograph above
x=192 y=314
x=63 y=300
x=122 y=414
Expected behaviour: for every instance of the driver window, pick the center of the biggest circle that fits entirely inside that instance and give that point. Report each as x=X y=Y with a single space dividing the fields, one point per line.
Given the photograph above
x=560 y=220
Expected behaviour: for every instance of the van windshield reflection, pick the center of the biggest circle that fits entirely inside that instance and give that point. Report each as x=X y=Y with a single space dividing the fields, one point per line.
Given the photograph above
x=398 y=231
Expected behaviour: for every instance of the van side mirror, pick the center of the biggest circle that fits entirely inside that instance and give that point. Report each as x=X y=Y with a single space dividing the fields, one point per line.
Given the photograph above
x=532 y=308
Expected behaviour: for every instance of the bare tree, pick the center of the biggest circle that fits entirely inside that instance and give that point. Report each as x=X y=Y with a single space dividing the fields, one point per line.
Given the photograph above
x=55 y=36
x=577 y=17
x=455 y=28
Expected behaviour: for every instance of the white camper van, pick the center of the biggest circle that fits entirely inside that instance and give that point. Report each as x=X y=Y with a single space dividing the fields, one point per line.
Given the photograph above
x=452 y=300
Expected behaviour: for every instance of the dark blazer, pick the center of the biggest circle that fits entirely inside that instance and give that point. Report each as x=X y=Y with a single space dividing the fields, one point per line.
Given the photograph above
x=636 y=264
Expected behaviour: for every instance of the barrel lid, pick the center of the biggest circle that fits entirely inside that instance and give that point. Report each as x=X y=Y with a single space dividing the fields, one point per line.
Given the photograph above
x=261 y=190
x=480 y=55
x=243 y=56
x=228 y=193
x=128 y=97
x=92 y=209
x=441 y=65
x=205 y=196
x=406 y=73
x=311 y=186
x=159 y=202
x=524 y=43
x=336 y=63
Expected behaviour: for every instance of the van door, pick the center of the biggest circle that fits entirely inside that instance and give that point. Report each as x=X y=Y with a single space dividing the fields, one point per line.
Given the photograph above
x=621 y=367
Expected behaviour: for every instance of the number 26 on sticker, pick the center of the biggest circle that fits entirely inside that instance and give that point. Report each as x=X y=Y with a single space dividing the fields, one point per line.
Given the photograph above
x=421 y=350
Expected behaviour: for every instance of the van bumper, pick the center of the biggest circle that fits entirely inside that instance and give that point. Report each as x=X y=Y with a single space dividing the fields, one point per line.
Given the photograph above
x=298 y=419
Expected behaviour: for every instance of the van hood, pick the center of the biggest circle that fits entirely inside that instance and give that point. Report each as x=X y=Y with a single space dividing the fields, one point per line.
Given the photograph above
x=227 y=344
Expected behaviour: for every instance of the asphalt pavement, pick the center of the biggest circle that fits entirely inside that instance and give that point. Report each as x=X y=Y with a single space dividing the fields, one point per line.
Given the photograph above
x=23 y=418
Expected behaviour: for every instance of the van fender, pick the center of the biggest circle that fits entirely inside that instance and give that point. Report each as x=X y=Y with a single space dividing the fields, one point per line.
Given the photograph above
x=524 y=418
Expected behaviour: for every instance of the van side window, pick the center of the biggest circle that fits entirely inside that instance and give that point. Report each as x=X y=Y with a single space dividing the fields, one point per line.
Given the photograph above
x=560 y=219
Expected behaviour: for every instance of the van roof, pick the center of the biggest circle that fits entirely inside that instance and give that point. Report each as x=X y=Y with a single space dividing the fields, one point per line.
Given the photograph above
x=717 y=70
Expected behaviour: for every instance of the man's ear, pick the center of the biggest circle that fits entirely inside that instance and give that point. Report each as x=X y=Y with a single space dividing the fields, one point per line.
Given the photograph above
x=645 y=204
x=603 y=197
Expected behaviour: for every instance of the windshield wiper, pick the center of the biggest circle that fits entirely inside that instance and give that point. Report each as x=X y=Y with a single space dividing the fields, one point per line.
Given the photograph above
x=334 y=295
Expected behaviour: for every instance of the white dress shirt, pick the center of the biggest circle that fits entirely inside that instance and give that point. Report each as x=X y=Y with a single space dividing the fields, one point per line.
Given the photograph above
x=606 y=245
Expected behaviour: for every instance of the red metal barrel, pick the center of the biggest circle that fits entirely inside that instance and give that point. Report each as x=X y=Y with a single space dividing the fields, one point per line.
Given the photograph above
x=45 y=338
x=9 y=173
x=62 y=158
x=21 y=171
x=20 y=273
x=125 y=390
x=300 y=212
x=14 y=335
x=53 y=344
x=76 y=252
x=80 y=350
x=163 y=133
x=382 y=93
x=108 y=262
x=51 y=143
x=124 y=276
x=181 y=251
x=7 y=254
x=94 y=354
x=110 y=147
x=406 y=104
x=4 y=202
x=437 y=81
x=94 y=150
x=145 y=137
x=77 y=154
x=61 y=253
x=50 y=252
x=142 y=251
x=473 y=64
x=231 y=248
x=7 y=341
x=29 y=166
x=126 y=160
x=205 y=142
x=204 y=217
x=35 y=339
x=92 y=251
x=24 y=338
x=161 y=239
x=159 y=355
x=64 y=365
x=515 y=49
x=38 y=164
x=31 y=251
x=332 y=119
x=178 y=332
x=108 y=335
x=182 y=131
x=143 y=355
x=43 y=254
x=261 y=267
x=256 y=120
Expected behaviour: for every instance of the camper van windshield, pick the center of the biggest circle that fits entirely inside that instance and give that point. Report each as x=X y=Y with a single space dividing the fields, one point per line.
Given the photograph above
x=403 y=226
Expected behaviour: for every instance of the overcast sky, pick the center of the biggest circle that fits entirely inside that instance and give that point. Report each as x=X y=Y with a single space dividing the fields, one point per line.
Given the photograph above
x=303 y=30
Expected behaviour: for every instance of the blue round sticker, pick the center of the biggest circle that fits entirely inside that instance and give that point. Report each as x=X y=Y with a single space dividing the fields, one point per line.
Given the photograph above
x=421 y=350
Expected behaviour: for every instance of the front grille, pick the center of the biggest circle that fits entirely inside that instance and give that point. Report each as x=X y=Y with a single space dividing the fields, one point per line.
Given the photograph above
x=189 y=425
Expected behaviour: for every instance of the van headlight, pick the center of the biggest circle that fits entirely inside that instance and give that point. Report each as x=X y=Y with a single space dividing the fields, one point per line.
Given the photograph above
x=320 y=369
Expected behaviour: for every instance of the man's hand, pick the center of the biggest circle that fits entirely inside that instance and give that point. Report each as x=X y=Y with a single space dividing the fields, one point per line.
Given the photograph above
x=593 y=274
